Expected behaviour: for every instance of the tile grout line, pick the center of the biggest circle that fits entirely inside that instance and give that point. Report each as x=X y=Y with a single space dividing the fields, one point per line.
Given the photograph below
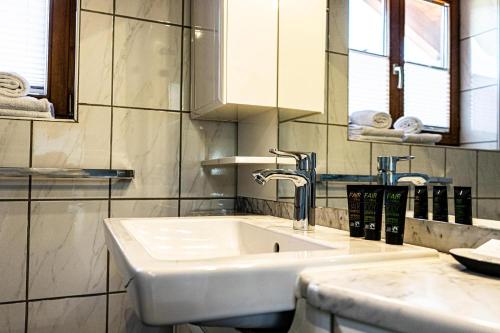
x=110 y=156
x=181 y=99
x=28 y=231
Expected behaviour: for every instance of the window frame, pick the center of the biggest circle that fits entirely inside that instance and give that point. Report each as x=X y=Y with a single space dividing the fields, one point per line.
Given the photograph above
x=396 y=57
x=61 y=58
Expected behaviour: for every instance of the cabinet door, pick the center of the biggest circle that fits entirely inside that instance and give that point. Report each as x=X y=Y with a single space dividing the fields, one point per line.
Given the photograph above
x=251 y=55
x=301 y=50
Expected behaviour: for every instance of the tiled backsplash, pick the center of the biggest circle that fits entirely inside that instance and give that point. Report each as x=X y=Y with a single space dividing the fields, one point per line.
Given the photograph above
x=133 y=113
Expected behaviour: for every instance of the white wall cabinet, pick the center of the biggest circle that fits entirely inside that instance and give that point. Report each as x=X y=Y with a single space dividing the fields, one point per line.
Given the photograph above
x=253 y=56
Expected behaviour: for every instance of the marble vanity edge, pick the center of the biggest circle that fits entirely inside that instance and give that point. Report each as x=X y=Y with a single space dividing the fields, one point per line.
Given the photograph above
x=437 y=235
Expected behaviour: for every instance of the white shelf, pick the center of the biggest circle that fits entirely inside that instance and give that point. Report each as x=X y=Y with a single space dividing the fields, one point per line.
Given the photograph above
x=248 y=160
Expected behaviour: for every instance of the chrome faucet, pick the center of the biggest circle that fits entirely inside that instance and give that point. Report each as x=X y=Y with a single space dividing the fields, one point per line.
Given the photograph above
x=304 y=179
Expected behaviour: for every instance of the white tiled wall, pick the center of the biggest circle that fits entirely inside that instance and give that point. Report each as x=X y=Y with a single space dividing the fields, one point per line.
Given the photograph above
x=134 y=77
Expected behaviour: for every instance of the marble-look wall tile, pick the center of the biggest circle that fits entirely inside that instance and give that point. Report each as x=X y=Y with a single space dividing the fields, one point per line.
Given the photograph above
x=338 y=20
x=137 y=208
x=169 y=11
x=13 y=238
x=202 y=207
x=105 y=6
x=479 y=60
x=85 y=144
x=74 y=145
x=428 y=160
x=461 y=165
x=488 y=175
x=479 y=115
x=12 y=318
x=148 y=142
x=489 y=209
x=337 y=89
x=67 y=250
x=298 y=136
x=147 y=64
x=14 y=143
x=477 y=16
x=380 y=149
x=122 y=318
x=75 y=315
x=202 y=140
x=347 y=157
x=94 y=79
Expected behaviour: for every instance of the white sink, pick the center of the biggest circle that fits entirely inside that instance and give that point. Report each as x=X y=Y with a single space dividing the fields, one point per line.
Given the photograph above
x=226 y=270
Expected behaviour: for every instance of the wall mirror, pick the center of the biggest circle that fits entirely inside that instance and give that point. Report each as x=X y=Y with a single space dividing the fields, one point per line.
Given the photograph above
x=37 y=62
x=441 y=67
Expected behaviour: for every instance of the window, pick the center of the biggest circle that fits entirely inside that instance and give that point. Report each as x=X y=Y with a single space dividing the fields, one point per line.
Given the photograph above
x=403 y=60
x=37 y=39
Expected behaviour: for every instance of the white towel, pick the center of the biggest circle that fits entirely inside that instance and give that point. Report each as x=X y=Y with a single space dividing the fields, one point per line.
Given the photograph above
x=25 y=104
x=371 y=118
x=371 y=138
x=371 y=131
x=423 y=138
x=411 y=125
x=25 y=114
x=13 y=85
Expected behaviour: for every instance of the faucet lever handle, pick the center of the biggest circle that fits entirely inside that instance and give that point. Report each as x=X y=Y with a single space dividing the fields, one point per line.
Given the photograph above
x=298 y=156
x=388 y=163
x=404 y=158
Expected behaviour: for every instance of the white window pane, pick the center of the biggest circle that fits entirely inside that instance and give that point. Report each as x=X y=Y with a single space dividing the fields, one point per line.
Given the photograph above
x=24 y=40
x=368 y=82
x=426 y=33
x=427 y=95
x=368 y=26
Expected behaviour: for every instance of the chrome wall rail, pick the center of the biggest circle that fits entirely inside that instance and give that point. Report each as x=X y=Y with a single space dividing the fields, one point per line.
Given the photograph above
x=67 y=173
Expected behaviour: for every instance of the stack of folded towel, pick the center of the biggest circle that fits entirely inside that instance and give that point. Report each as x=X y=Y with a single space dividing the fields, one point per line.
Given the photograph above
x=373 y=126
x=14 y=101
x=376 y=126
x=412 y=126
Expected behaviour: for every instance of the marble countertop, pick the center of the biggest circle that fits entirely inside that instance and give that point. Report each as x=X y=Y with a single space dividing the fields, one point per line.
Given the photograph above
x=418 y=295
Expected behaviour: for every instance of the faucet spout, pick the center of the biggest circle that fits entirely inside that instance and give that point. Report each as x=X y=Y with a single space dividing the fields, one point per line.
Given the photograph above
x=298 y=177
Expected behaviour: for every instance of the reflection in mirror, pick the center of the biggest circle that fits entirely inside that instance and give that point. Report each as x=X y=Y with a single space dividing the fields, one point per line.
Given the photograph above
x=414 y=64
x=360 y=77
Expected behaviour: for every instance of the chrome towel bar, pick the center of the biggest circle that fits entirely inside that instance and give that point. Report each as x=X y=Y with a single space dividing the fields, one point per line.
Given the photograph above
x=66 y=173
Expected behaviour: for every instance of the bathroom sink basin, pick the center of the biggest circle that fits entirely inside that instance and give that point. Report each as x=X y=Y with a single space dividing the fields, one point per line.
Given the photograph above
x=227 y=271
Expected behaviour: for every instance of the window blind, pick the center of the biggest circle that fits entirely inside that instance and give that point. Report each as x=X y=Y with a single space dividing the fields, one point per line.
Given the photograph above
x=368 y=82
x=24 y=35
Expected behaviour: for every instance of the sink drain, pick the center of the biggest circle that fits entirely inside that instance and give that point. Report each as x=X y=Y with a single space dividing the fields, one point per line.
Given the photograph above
x=276 y=247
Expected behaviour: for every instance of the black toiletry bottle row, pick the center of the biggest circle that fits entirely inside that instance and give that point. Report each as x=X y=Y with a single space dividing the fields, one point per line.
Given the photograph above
x=462 y=200
x=365 y=205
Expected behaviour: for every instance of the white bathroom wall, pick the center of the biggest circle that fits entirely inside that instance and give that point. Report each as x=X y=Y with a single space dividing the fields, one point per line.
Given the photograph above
x=133 y=113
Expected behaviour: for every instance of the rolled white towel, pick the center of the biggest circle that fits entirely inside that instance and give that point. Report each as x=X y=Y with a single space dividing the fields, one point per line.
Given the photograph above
x=371 y=118
x=423 y=138
x=13 y=85
x=372 y=131
x=410 y=125
x=25 y=104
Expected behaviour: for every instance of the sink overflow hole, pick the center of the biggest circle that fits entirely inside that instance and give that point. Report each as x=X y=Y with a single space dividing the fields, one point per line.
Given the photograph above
x=276 y=247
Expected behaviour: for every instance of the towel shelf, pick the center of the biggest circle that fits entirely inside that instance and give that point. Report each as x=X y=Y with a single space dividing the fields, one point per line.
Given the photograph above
x=67 y=173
